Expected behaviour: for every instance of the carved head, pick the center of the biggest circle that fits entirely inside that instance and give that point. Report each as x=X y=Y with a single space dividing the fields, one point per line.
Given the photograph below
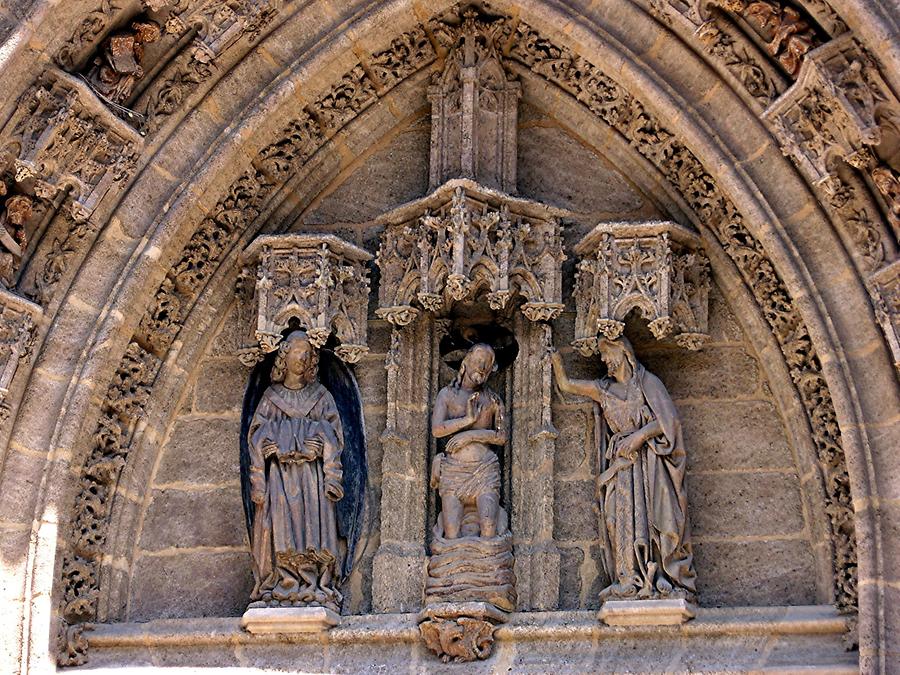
x=297 y=361
x=477 y=366
x=618 y=356
x=19 y=209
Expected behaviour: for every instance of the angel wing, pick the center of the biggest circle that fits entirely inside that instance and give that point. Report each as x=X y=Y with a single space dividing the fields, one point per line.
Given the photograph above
x=339 y=380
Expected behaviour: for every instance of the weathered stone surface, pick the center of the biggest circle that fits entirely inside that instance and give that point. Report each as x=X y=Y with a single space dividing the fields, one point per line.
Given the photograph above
x=570 y=581
x=574 y=518
x=192 y=583
x=201 y=451
x=734 y=435
x=220 y=386
x=577 y=179
x=715 y=372
x=745 y=504
x=768 y=572
x=196 y=517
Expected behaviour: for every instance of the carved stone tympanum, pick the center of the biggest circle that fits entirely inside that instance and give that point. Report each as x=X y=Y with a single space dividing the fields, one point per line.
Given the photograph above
x=654 y=267
x=318 y=281
x=645 y=536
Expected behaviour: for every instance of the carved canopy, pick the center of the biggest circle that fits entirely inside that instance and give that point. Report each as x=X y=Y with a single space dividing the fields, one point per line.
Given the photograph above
x=320 y=281
x=655 y=267
x=462 y=240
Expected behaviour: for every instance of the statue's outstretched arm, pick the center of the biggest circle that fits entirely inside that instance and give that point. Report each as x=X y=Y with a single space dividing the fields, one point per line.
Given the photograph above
x=587 y=388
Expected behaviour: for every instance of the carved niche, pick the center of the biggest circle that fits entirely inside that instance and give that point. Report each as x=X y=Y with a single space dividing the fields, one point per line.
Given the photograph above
x=17 y=334
x=831 y=112
x=463 y=239
x=320 y=281
x=656 y=267
x=886 y=284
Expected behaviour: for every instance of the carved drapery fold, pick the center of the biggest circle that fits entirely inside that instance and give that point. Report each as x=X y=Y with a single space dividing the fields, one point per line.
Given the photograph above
x=319 y=281
x=657 y=268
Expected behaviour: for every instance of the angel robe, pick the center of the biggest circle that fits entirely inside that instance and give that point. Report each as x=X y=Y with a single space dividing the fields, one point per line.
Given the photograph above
x=294 y=536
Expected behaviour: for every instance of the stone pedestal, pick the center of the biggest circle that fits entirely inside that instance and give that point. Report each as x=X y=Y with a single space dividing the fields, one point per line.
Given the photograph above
x=460 y=631
x=647 y=612
x=268 y=620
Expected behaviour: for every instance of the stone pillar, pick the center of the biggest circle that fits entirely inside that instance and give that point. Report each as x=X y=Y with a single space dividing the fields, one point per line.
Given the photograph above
x=533 y=449
x=399 y=567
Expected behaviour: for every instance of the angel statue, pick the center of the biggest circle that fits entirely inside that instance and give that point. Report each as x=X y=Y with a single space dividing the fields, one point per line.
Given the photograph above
x=645 y=536
x=293 y=474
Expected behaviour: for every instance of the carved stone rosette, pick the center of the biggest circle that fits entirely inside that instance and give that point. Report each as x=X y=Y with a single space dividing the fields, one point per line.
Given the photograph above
x=17 y=334
x=831 y=112
x=655 y=267
x=464 y=239
x=320 y=281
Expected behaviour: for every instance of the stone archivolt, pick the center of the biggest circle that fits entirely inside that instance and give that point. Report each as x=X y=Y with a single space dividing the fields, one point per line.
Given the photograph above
x=244 y=202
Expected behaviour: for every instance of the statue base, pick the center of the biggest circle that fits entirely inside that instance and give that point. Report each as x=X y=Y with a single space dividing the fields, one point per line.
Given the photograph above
x=460 y=631
x=268 y=620
x=647 y=612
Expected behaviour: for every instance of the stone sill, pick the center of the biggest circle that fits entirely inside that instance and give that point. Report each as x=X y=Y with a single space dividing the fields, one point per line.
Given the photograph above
x=523 y=626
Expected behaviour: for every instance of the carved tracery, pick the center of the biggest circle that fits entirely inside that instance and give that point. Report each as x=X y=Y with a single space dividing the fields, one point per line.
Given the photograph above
x=318 y=281
x=656 y=268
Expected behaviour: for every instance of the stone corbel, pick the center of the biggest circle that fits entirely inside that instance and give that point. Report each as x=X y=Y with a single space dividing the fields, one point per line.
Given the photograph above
x=317 y=280
x=18 y=318
x=655 y=267
x=831 y=111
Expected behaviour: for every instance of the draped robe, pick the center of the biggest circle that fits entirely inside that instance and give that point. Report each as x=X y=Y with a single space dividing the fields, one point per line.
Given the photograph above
x=294 y=534
x=644 y=503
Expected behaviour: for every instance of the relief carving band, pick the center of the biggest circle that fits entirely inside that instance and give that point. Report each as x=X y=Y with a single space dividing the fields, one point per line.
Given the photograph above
x=295 y=480
x=470 y=571
x=645 y=536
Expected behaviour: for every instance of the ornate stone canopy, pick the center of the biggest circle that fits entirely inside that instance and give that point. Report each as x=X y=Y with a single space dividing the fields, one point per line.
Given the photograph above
x=464 y=239
x=656 y=268
x=318 y=281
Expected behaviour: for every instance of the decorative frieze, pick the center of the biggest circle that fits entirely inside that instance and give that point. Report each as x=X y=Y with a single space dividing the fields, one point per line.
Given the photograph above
x=656 y=268
x=318 y=281
x=17 y=334
x=463 y=240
